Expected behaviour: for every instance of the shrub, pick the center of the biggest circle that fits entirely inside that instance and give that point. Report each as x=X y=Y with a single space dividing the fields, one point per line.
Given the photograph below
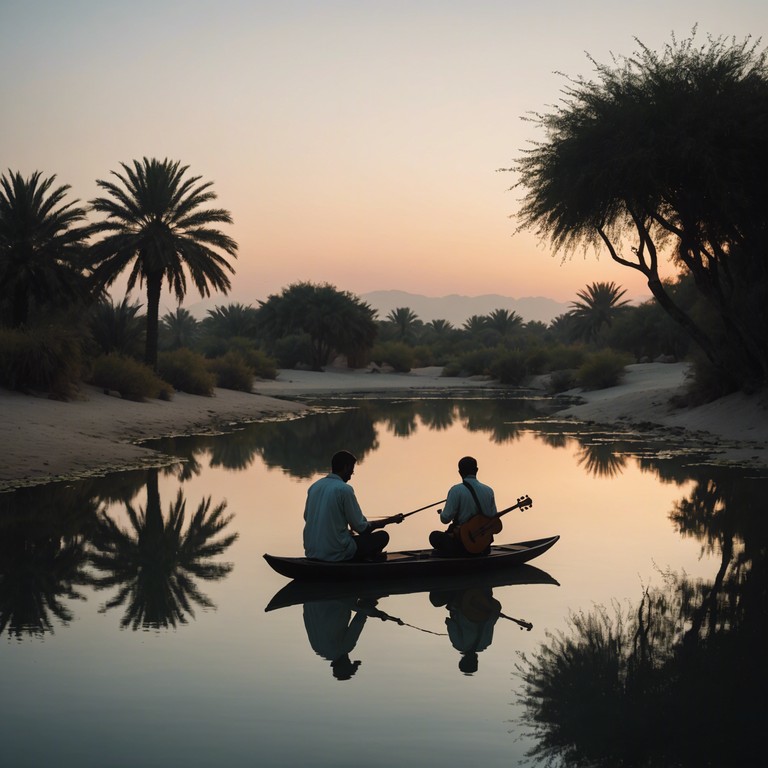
x=292 y=350
x=187 y=371
x=48 y=359
x=477 y=362
x=602 y=369
x=395 y=353
x=260 y=363
x=561 y=381
x=232 y=372
x=562 y=357
x=132 y=379
x=509 y=368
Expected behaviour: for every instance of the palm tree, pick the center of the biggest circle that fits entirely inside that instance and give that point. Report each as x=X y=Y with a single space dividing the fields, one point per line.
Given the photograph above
x=42 y=248
x=155 y=221
x=232 y=320
x=505 y=321
x=179 y=328
x=405 y=321
x=600 y=304
x=117 y=327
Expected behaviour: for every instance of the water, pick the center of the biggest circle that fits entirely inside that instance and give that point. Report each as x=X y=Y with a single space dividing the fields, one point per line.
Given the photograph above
x=135 y=637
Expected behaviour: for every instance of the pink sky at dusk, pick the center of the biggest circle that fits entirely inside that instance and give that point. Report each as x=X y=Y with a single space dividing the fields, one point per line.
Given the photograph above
x=355 y=143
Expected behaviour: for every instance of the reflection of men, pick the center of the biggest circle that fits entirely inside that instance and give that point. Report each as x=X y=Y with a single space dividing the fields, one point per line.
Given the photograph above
x=332 y=635
x=468 y=498
x=331 y=513
x=472 y=615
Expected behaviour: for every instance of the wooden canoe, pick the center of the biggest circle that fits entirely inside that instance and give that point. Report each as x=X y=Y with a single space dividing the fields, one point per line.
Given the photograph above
x=301 y=592
x=410 y=563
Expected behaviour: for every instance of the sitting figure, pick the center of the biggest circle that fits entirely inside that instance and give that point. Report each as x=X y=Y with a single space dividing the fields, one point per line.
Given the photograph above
x=332 y=517
x=465 y=500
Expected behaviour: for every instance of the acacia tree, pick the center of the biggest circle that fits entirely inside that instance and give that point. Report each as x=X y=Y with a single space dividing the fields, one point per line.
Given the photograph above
x=335 y=321
x=156 y=221
x=667 y=151
x=42 y=246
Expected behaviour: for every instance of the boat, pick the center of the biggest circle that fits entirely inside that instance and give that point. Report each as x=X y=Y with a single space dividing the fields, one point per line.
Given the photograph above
x=301 y=592
x=410 y=563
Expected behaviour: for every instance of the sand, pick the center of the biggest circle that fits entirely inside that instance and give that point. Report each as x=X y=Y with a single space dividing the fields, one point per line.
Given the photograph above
x=44 y=440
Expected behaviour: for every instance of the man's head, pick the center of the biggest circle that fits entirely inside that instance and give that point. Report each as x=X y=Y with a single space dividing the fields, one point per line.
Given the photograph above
x=343 y=464
x=467 y=466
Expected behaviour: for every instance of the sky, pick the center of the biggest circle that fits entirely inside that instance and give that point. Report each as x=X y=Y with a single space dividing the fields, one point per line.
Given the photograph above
x=354 y=142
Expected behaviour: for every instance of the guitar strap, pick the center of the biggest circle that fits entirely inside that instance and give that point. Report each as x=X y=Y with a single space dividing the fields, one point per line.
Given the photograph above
x=474 y=496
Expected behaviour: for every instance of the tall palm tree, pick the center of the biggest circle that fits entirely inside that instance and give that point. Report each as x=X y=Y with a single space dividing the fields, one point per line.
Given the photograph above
x=600 y=304
x=155 y=220
x=42 y=246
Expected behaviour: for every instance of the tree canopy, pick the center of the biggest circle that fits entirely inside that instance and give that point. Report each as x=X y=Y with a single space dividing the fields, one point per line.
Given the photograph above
x=335 y=321
x=42 y=247
x=668 y=152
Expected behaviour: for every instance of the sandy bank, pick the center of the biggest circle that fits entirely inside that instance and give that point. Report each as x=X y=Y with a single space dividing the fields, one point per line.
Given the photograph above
x=44 y=440
x=735 y=427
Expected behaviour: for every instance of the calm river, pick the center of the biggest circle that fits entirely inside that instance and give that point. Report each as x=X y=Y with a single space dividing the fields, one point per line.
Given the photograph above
x=135 y=629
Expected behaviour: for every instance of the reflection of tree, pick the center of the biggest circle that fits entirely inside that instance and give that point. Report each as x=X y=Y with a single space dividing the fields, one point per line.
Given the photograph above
x=437 y=414
x=676 y=681
x=601 y=459
x=42 y=556
x=157 y=562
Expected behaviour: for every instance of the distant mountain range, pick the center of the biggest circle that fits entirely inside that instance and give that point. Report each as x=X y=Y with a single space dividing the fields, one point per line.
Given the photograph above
x=456 y=309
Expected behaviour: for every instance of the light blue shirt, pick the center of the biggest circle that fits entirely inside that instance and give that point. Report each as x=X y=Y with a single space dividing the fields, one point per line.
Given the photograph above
x=460 y=505
x=331 y=509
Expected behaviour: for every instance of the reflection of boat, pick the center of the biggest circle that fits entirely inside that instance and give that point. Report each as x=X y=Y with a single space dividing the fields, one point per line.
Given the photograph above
x=417 y=562
x=298 y=592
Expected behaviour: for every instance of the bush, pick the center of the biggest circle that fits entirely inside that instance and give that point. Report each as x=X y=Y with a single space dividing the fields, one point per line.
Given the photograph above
x=232 y=372
x=293 y=350
x=395 y=353
x=187 y=371
x=477 y=362
x=509 y=368
x=562 y=357
x=602 y=369
x=46 y=359
x=260 y=363
x=132 y=379
x=561 y=381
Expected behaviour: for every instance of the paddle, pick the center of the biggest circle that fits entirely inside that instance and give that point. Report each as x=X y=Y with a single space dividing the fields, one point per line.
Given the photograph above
x=399 y=518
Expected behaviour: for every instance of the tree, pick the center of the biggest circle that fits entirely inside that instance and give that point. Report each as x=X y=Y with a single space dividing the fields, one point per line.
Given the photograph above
x=179 y=329
x=43 y=255
x=504 y=321
x=405 y=320
x=231 y=320
x=335 y=321
x=668 y=151
x=117 y=327
x=599 y=306
x=156 y=222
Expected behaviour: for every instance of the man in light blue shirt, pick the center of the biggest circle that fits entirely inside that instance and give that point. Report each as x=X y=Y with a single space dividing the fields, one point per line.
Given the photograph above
x=332 y=516
x=466 y=499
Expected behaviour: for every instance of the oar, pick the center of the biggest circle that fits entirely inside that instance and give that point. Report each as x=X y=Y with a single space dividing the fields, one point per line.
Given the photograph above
x=381 y=522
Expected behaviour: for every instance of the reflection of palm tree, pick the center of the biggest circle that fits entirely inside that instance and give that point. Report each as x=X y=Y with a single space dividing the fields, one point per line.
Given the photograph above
x=156 y=563
x=437 y=414
x=43 y=555
x=600 y=459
